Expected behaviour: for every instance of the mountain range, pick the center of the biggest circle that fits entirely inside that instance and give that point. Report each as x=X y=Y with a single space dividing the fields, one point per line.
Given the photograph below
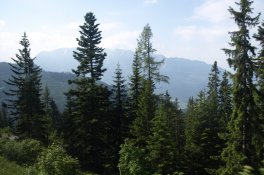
x=187 y=77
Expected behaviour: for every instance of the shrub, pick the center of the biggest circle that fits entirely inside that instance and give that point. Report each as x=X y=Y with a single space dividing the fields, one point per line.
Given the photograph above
x=23 y=152
x=55 y=161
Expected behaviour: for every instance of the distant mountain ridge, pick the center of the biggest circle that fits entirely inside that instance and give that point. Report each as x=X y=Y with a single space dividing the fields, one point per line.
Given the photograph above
x=57 y=83
x=187 y=77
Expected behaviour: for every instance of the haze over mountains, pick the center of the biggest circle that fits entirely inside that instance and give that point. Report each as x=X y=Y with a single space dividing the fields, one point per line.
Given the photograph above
x=187 y=77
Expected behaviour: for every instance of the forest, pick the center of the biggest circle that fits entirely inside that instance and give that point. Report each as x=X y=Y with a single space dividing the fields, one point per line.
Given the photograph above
x=127 y=129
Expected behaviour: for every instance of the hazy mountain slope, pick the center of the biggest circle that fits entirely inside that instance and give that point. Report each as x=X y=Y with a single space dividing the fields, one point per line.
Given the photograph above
x=187 y=77
x=57 y=83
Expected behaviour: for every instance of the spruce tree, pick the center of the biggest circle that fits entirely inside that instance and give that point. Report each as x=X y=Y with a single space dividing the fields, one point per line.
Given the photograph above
x=135 y=84
x=161 y=144
x=120 y=118
x=194 y=130
x=51 y=112
x=210 y=140
x=147 y=102
x=244 y=128
x=120 y=103
x=225 y=101
x=260 y=79
x=24 y=103
x=88 y=104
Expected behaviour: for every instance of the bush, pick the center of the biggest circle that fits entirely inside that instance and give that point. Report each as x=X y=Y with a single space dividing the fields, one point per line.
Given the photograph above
x=55 y=161
x=23 y=152
x=11 y=168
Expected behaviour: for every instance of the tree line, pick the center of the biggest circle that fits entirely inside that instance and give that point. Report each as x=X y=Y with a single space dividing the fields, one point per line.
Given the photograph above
x=127 y=128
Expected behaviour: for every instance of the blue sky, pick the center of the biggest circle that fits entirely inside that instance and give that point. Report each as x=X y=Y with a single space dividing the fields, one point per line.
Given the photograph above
x=194 y=29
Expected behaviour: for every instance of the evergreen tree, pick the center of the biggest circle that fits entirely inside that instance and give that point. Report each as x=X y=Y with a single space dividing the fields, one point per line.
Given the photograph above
x=244 y=135
x=51 y=111
x=260 y=79
x=89 y=103
x=225 y=101
x=4 y=120
x=210 y=141
x=135 y=84
x=120 y=103
x=147 y=101
x=161 y=144
x=25 y=103
x=146 y=51
x=194 y=130
x=120 y=122
x=144 y=114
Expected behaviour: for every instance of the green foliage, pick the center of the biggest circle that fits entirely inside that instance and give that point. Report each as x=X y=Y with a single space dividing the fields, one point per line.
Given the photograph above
x=88 y=113
x=11 y=168
x=55 y=161
x=245 y=131
x=135 y=84
x=24 y=152
x=146 y=51
x=133 y=160
x=145 y=112
x=26 y=106
x=248 y=170
x=161 y=144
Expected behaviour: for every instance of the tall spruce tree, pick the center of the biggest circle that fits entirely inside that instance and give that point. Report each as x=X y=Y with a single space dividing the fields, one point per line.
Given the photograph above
x=120 y=103
x=225 y=101
x=147 y=100
x=260 y=78
x=210 y=141
x=89 y=103
x=135 y=84
x=120 y=118
x=24 y=103
x=194 y=130
x=51 y=112
x=161 y=144
x=244 y=128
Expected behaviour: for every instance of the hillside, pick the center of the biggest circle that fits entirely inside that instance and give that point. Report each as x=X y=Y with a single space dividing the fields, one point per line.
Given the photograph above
x=57 y=83
x=187 y=77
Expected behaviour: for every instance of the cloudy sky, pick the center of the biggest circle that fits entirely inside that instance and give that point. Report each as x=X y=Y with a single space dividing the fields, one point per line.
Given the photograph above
x=194 y=29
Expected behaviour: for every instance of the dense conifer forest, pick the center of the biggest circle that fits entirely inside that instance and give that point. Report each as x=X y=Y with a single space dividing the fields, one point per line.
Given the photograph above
x=128 y=129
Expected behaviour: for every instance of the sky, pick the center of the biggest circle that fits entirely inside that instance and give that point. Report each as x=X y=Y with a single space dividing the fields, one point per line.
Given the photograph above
x=193 y=29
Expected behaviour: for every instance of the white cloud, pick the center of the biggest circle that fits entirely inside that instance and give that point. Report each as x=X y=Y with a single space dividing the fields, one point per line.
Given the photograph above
x=121 y=40
x=202 y=33
x=2 y=23
x=110 y=26
x=150 y=1
x=214 y=11
x=8 y=45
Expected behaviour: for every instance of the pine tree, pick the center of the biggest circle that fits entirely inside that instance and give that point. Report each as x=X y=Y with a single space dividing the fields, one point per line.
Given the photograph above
x=146 y=51
x=244 y=128
x=145 y=112
x=225 y=101
x=25 y=103
x=260 y=79
x=161 y=144
x=120 y=102
x=135 y=84
x=4 y=120
x=89 y=103
x=194 y=130
x=51 y=111
x=120 y=122
x=210 y=141
x=147 y=103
